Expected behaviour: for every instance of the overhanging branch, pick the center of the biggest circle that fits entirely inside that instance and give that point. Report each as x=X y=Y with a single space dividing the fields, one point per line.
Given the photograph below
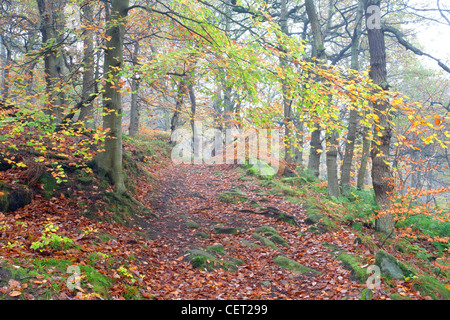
x=401 y=39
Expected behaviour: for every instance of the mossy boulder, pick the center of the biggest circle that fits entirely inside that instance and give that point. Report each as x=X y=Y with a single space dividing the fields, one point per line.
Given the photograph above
x=208 y=259
x=225 y=230
x=279 y=240
x=266 y=242
x=269 y=236
x=249 y=244
x=257 y=167
x=390 y=266
x=192 y=224
x=266 y=230
x=202 y=259
x=201 y=235
x=49 y=183
x=293 y=265
x=313 y=218
x=232 y=196
x=13 y=198
x=217 y=248
x=352 y=263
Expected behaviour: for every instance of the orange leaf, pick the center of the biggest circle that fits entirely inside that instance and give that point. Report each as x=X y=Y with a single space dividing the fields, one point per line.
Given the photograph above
x=15 y=293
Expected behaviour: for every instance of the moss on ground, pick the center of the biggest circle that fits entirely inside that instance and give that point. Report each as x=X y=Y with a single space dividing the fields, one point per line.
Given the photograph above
x=266 y=242
x=353 y=263
x=431 y=286
x=293 y=265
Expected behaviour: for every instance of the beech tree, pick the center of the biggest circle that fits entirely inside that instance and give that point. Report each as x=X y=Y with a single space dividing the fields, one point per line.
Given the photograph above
x=243 y=64
x=111 y=159
x=381 y=171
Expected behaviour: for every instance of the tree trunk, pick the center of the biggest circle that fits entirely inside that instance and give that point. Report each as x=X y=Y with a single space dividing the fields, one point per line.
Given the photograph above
x=353 y=117
x=364 y=159
x=290 y=134
x=111 y=159
x=319 y=52
x=134 y=110
x=315 y=151
x=300 y=127
x=52 y=26
x=3 y=66
x=178 y=104
x=87 y=111
x=381 y=172
x=196 y=135
x=29 y=89
x=6 y=61
x=332 y=168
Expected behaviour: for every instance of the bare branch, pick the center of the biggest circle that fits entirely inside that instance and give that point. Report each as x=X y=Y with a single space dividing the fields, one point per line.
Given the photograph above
x=401 y=39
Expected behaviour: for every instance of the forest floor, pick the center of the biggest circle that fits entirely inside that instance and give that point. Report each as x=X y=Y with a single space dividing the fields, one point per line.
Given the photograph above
x=189 y=204
x=208 y=232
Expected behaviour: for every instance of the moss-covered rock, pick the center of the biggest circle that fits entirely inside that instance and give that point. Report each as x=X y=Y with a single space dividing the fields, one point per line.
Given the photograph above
x=249 y=244
x=192 y=224
x=207 y=260
x=225 y=230
x=13 y=198
x=202 y=259
x=236 y=262
x=266 y=242
x=293 y=265
x=313 y=218
x=352 y=263
x=217 y=248
x=390 y=266
x=49 y=183
x=279 y=240
x=266 y=230
x=202 y=235
x=232 y=196
x=260 y=168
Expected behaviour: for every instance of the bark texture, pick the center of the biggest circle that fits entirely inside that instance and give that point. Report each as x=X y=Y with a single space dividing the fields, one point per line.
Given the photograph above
x=52 y=27
x=381 y=172
x=111 y=159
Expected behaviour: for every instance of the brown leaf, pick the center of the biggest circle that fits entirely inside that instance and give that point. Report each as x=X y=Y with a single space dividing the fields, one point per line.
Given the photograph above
x=13 y=284
x=15 y=293
x=28 y=296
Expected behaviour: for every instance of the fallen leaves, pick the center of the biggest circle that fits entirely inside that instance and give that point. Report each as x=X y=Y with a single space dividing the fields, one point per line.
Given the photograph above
x=156 y=267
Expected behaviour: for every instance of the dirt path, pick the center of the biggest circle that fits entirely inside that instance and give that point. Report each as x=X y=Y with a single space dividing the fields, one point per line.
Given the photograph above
x=188 y=202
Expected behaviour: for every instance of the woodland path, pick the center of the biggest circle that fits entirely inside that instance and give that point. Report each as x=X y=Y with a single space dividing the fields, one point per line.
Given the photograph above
x=187 y=201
